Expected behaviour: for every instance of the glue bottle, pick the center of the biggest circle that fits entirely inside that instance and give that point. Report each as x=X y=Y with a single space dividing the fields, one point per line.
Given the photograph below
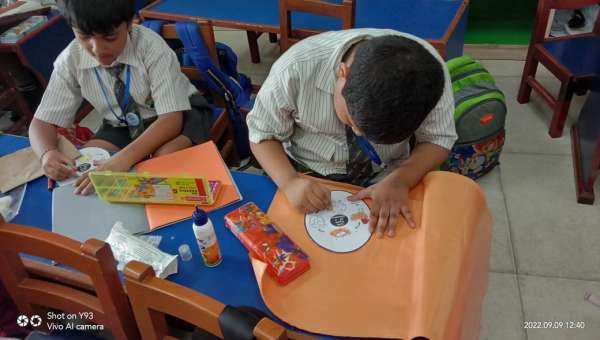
x=206 y=237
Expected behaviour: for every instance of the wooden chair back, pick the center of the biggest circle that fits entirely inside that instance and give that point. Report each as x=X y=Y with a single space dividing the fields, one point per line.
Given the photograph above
x=152 y=298
x=94 y=289
x=543 y=15
x=344 y=11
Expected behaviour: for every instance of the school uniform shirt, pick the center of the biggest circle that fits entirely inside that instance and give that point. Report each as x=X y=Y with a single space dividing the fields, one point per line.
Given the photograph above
x=295 y=105
x=157 y=84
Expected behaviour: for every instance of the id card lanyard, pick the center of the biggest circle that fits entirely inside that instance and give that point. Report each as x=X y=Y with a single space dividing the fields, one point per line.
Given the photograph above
x=370 y=151
x=122 y=119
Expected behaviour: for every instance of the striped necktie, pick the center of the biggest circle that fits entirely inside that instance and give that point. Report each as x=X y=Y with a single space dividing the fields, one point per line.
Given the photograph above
x=359 y=169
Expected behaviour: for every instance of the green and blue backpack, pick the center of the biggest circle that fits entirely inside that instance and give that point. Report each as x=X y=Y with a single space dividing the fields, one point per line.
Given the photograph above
x=479 y=116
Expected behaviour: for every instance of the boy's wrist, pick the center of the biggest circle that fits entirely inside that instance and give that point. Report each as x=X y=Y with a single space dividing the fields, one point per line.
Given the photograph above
x=45 y=153
x=284 y=182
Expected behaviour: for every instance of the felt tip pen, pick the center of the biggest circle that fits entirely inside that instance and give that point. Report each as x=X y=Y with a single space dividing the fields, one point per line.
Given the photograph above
x=51 y=184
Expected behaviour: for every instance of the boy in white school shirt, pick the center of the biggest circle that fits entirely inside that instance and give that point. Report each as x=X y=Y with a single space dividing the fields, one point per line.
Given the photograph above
x=330 y=92
x=129 y=74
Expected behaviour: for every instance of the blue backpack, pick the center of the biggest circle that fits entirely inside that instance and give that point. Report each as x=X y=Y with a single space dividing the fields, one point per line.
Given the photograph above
x=224 y=79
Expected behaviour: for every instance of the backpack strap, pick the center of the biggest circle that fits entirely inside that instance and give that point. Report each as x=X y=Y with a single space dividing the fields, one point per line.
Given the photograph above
x=197 y=51
x=216 y=80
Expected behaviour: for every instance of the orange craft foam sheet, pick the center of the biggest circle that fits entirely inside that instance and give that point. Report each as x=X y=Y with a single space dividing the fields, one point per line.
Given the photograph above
x=425 y=282
x=201 y=160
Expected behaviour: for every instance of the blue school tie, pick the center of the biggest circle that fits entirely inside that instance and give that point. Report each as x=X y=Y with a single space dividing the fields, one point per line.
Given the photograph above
x=359 y=169
x=119 y=87
x=119 y=90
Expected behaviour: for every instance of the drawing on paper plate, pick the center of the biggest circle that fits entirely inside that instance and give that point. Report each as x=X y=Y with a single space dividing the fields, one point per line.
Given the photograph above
x=342 y=229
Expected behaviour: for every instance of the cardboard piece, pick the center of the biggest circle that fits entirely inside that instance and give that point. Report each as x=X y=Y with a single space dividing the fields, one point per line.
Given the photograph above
x=18 y=168
x=202 y=160
x=23 y=166
x=425 y=282
x=67 y=148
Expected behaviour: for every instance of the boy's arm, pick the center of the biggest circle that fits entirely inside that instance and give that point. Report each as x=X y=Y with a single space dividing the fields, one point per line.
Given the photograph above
x=58 y=106
x=269 y=123
x=303 y=193
x=166 y=127
x=43 y=140
x=435 y=137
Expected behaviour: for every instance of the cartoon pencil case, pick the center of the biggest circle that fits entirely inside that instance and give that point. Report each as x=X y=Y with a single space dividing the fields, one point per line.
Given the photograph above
x=285 y=260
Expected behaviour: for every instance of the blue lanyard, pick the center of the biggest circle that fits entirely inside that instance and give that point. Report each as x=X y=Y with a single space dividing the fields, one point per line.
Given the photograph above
x=367 y=148
x=125 y=98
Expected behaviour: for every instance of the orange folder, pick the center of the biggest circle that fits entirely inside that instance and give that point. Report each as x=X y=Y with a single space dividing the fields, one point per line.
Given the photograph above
x=425 y=282
x=202 y=160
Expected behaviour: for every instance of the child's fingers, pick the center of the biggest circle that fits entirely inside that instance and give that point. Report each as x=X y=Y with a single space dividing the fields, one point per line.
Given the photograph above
x=61 y=172
x=374 y=217
x=66 y=160
x=405 y=211
x=324 y=196
x=382 y=223
x=393 y=222
x=89 y=188
x=315 y=202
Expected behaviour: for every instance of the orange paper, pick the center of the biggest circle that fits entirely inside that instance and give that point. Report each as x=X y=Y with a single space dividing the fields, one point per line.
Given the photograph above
x=427 y=282
x=201 y=160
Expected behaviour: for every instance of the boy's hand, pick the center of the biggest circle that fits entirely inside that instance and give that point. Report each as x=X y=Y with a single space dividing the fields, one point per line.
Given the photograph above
x=84 y=186
x=307 y=195
x=390 y=200
x=57 y=166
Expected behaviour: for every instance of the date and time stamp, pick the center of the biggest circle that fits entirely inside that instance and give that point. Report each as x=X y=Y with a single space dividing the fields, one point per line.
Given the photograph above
x=554 y=324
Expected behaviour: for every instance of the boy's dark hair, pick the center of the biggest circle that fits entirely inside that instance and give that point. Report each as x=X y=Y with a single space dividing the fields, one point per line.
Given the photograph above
x=392 y=85
x=97 y=16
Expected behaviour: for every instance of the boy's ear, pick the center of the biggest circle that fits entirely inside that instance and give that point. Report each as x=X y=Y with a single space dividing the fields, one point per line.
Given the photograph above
x=343 y=70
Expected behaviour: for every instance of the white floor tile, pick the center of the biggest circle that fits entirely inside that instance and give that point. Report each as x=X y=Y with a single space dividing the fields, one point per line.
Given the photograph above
x=502 y=316
x=552 y=234
x=502 y=259
x=546 y=300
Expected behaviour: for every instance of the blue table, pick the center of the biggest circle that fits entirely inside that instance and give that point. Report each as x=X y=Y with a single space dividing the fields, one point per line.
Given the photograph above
x=442 y=22
x=232 y=282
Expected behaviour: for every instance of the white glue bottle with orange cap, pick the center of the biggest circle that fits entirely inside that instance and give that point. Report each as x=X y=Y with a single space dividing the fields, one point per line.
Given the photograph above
x=206 y=237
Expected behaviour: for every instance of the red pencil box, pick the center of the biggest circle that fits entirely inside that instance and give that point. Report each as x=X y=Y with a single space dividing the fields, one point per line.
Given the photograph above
x=285 y=261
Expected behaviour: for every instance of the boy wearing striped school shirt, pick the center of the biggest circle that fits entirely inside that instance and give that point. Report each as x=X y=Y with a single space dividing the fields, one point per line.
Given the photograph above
x=342 y=105
x=132 y=77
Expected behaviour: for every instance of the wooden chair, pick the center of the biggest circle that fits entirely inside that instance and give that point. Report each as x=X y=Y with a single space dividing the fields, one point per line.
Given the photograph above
x=573 y=59
x=11 y=98
x=222 y=130
x=96 y=288
x=152 y=298
x=344 y=11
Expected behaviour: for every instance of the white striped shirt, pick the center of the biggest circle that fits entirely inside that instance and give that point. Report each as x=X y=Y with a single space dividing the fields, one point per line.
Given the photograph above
x=157 y=84
x=295 y=105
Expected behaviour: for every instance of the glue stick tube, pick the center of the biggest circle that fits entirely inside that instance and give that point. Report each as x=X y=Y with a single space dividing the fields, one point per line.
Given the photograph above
x=206 y=238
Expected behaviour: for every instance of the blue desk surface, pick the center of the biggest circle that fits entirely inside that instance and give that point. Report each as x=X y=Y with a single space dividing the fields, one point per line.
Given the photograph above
x=232 y=282
x=402 y=15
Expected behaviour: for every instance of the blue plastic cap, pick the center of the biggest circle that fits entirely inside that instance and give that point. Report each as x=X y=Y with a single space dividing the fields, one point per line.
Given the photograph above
x=199 y=216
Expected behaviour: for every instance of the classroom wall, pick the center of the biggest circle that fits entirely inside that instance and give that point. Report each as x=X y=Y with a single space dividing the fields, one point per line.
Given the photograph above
x=500 y=21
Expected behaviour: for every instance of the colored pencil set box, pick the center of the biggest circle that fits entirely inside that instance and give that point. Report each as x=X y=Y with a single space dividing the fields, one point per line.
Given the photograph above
x=285 y=260
x=128 y=187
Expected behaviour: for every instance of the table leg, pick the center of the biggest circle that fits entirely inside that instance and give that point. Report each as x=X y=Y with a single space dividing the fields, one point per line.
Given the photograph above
x=585 y=142
x=253 y=45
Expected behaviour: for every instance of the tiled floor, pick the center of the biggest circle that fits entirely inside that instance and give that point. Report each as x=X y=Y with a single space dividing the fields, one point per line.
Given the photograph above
x=545 y=247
